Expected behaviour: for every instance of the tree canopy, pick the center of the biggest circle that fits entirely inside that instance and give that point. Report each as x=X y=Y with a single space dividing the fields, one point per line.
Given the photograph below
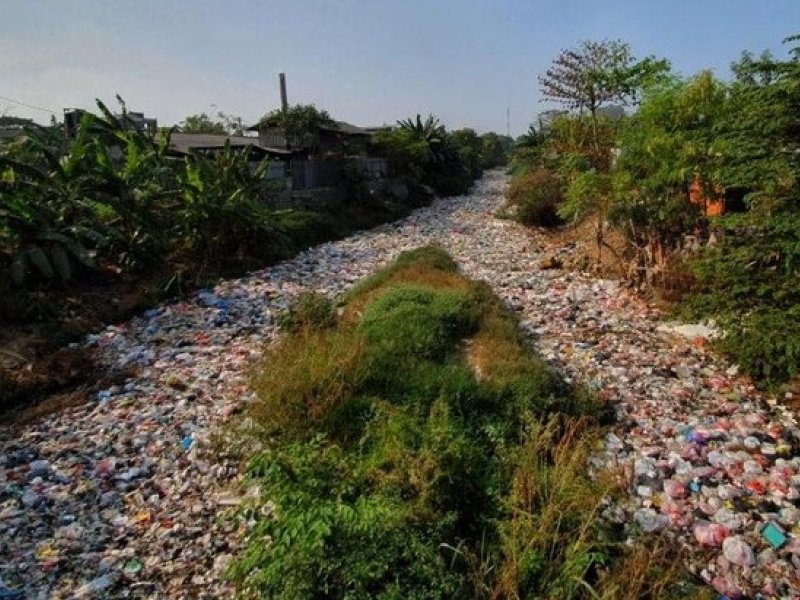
x=300 y=124
x=597 y=73
x=203 y=123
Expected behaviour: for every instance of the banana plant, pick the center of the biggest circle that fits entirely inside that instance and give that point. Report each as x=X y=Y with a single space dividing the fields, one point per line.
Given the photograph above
x=223 y=209
x=135 y=188
x=43 y=208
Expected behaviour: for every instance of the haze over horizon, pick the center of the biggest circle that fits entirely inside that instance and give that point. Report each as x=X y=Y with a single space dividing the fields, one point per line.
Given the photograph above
x=368 y=63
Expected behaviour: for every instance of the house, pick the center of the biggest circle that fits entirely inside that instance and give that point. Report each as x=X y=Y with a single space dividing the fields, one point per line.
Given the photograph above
x=12 y=128
x=140 y=121
x=712 y=204
x=333 y=139
x=73 y=116
x=318 y=157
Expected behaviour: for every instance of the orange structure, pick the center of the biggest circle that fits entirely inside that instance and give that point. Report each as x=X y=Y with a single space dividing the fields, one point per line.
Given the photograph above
x=713 y=206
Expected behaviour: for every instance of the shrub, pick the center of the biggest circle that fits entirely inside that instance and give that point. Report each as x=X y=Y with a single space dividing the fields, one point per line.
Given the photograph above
x=310 y=375
x=309 y=310
x=748 y=282
x=536 y=196
x=765 y=343
x=411 y=319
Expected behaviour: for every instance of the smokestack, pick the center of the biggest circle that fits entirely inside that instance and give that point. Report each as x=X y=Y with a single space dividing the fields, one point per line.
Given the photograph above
x=284 y=101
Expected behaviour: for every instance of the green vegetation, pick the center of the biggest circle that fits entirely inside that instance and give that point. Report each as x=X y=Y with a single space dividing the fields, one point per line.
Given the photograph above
x=447 y=162
x=300 y=124
x=416 y=448
x=111 y=202
x=736 y=140
x=224 y=124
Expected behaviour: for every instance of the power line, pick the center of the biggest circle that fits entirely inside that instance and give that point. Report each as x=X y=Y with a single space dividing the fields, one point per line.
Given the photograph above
x=26 y=105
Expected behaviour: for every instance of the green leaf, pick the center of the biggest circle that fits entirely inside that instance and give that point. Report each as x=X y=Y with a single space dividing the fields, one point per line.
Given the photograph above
x=72 y=245
x=40 y=261
x=19 y=266
x=60 y=260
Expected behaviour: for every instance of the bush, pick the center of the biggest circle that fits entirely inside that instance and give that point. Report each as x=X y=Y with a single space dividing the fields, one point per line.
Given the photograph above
x=765 y=343
x=748 y=282
x=536 y=196
x=309 y=310
x=417 y=320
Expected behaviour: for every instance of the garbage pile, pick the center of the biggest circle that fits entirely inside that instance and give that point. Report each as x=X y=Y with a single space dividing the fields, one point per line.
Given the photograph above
x=125 y=496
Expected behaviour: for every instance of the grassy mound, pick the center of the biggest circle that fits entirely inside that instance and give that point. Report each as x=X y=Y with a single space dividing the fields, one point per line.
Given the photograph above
x=418 y=449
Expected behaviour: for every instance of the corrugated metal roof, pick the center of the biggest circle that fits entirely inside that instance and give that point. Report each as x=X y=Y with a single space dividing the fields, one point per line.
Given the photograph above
x=184 y=142
x=338 y=126
x=346 y=128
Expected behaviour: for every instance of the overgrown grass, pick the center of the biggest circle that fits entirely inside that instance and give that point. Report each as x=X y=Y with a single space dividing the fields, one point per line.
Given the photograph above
x=417 y=448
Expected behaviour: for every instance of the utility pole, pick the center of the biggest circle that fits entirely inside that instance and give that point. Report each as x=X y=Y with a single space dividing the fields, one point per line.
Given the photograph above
x=508 y=121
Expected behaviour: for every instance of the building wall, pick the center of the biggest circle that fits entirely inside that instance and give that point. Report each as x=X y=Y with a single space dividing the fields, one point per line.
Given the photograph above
x=272 y=138
x=712 y=205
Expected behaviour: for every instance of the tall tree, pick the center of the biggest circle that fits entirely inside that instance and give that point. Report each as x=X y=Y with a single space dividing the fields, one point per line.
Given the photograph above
x=584 y=79
x=598 y=73
x=671 y=141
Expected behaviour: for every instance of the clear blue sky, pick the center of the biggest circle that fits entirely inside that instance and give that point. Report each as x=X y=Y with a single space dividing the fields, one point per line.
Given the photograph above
x=365 y=61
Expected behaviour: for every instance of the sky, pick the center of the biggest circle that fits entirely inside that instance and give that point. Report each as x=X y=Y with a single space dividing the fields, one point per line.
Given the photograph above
x=369 y=62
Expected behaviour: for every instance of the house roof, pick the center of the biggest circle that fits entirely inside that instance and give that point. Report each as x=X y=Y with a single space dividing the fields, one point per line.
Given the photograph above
x=184 y=142
x=337 y=126
x=377 y=128
x=346 y=128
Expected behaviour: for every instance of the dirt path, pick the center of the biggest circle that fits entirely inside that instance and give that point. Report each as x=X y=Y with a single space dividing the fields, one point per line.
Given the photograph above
x=119 y=497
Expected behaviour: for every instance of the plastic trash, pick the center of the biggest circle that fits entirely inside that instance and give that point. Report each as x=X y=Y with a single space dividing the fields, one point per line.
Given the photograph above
x=649 y=520
x=682 y=418
x=7 y=593
x=739 y=552
x=675 y=489
x=774 y=534
x=710 y=534
x=132 y=567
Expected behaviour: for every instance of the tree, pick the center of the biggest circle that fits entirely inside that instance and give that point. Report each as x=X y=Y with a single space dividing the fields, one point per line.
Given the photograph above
x=300 y=124
x=671 y=142
x=584 y=79
x=425 y=150
x=749 y=280
x=202 y=123
x=470 y=148
x=762 y=134
x=494 y=150
x=598 y=73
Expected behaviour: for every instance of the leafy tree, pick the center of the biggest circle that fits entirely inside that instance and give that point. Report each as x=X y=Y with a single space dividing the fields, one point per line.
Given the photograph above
x=749 y=280
x=426 y=151
x=598 y=73
x=300 y=124
x=671 y=141
x=494 y=150
x=202 y=123
x=438 y=161
x=762 y=135
x=584 y=79
x=470 y=148
x=223 y=125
